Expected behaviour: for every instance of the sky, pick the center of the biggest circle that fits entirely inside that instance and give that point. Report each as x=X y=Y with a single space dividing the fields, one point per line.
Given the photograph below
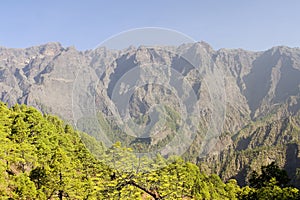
x=249 y=24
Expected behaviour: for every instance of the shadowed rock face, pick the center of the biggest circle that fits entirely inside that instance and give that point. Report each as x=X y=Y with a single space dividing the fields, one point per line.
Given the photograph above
x=256 y=84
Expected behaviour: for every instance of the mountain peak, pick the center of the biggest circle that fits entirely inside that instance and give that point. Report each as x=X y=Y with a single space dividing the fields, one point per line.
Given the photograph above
x=51 y=48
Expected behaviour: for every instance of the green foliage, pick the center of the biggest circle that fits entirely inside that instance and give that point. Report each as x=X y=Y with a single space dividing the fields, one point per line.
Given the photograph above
x=271 y=190
x=42 y=158
x=272 y=183
x=23 y=187
x=267 y=174
x=161 y=178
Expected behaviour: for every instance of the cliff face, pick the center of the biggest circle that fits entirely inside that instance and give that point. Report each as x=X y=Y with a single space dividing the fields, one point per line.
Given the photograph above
x=238 y=109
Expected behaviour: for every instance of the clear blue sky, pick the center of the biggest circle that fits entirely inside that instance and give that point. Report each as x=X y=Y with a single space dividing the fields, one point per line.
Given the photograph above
x=248 y=24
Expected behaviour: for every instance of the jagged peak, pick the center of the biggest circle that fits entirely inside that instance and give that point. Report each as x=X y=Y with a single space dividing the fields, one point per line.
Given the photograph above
x=200 y=46
x=46 y=45
x=52 y=44
x=204 y=44
x=50 y=48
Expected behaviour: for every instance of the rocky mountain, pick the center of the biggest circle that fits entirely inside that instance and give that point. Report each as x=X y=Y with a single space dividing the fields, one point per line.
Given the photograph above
x=229 y=110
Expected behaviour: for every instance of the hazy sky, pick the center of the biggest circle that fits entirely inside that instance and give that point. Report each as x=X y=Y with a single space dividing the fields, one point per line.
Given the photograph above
x=248 y=24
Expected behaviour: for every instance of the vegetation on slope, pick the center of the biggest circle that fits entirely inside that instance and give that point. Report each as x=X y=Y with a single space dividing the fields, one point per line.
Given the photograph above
x=259 y=143
x=43 y=158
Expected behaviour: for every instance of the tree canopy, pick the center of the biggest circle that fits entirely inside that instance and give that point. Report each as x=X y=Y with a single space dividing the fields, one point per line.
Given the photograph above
x=42 y=157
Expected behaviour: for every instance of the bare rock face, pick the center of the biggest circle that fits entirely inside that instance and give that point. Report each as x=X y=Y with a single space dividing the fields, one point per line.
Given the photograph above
x=223 y=92
x=254 y=81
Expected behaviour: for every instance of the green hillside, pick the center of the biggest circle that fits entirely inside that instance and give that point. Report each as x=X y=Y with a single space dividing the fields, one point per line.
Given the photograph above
x=41 y=157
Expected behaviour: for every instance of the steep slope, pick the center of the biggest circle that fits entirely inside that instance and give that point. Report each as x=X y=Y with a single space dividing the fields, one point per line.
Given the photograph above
x=257 y=144
x=43 y=158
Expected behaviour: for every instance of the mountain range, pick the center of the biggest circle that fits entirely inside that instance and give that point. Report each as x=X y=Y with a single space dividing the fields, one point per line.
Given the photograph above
x=228 y=110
